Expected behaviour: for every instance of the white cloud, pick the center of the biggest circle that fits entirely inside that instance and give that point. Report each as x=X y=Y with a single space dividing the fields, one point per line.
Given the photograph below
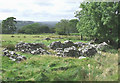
x=39 y=10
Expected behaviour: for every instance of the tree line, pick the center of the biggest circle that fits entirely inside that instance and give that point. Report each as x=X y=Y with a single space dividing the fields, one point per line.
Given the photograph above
x=64 y=27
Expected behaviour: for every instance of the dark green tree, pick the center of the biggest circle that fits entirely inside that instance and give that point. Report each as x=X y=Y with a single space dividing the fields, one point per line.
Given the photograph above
x=99 y=20
x=34 y=28
x=72 y=25
x=62 y=27
x=8 y=25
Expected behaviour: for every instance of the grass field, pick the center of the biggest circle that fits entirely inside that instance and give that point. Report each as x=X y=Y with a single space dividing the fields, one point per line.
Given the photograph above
x=52 y=68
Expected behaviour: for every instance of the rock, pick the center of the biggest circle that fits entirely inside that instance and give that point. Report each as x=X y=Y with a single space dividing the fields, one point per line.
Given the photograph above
x=8 y=55
x=33 y=52
x=19 y=58
x=13 y=56
x=101 y=46
x=71 y=52
x=92 y=42
x=12 y=36
x=13 y=59
x=68 y=52
x=24 y=57
x=47 y=39
x=87 y=51
x=59 y=49
x=79 y=44
x=82 y=57
x=55 y=45
x=33 y=48
x=67 y=44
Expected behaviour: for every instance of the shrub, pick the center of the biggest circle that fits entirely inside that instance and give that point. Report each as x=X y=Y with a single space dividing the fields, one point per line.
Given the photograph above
x=10 y=47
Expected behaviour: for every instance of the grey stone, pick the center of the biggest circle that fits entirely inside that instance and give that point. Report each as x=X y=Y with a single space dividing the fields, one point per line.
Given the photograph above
x=71 y=52
x=79 y=44
x=101 y=45
x=87 y=51
x=67 y=44
x=33 y=48
x=81 y=57
x=47 y=39
x=13 y=56
x=55 y=45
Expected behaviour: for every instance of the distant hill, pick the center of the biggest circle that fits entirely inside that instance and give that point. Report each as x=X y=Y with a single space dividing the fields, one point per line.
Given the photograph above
x=50 y=24
x=23 y=23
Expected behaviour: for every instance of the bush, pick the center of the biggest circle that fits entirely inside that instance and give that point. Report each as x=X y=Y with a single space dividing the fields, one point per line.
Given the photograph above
x=10 y=47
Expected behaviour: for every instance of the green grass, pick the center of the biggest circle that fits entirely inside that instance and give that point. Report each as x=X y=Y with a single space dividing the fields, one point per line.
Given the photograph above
x=7 y=39
x=53 y=68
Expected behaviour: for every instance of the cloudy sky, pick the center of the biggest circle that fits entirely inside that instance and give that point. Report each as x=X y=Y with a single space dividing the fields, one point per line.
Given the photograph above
x=39 y=10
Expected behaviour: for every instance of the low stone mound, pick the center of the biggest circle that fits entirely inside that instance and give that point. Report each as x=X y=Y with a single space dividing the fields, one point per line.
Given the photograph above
x=13 y=56
x=70 y=49
x=58 y=44
x=68 y=52
x=55 y=45
x=71 y=52
x=33 y=48
x=47 y=39
x=67 y=44
x=79 y=44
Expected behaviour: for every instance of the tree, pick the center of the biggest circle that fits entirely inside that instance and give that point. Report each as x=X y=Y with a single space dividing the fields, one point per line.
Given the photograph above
x=62 y=27
x=72 y=25
x=99 y=20
x=8 y=25
x=34 y=28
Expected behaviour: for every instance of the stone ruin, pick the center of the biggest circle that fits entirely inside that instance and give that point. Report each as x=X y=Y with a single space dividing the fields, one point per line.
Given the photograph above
x=13 y=56
x=33 y=48
x=65 y=49
x=70 y=49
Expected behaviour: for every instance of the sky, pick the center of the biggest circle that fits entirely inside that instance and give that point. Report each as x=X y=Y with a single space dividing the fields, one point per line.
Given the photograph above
x=39 y=10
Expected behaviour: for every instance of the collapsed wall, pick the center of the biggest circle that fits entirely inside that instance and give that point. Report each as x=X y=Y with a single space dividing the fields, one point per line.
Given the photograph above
x=65 y=49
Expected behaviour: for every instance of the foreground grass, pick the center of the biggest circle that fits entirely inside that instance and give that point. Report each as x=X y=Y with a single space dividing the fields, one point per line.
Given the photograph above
x=52 y=68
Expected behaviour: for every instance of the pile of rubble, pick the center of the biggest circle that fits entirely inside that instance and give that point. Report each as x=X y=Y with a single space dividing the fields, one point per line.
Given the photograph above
x=13 y=56
x=33 y=48
x=70 y=49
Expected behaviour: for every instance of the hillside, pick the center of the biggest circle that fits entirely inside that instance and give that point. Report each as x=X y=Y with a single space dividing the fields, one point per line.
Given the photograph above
x=50 y=24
